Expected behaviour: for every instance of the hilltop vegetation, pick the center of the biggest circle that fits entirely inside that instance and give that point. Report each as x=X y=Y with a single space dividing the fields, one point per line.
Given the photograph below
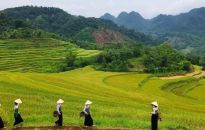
x=27 y=33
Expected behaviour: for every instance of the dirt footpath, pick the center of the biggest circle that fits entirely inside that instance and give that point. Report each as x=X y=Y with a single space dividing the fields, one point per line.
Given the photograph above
x=64 y=128
x=196 y=74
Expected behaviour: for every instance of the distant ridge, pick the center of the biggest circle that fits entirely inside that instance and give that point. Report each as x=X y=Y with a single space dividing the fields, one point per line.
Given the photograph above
x=132 y=20
x=185 y=31
x=191 y=21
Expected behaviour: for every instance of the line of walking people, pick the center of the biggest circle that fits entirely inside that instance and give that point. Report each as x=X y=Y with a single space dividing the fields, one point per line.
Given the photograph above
x=155 y=114
x=57 y=113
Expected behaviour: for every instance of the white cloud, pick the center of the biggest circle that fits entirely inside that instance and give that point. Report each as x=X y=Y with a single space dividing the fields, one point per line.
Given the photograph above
x=96 y=8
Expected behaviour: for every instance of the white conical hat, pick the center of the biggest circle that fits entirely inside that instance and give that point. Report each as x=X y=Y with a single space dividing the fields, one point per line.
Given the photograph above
x=155 y=103
x=88 y=102
x=60 y=101
x=18 y=101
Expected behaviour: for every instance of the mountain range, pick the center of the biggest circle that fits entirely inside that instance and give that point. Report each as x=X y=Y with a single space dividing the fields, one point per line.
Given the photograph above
x=185 y=31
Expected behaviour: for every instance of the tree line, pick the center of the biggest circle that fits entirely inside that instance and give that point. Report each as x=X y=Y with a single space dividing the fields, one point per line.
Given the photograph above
x=159 y=59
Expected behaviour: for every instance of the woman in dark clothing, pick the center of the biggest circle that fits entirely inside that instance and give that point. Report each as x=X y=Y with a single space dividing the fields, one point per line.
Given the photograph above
x=88 y=119
x=155 y=116
x=59 y=122
x=17 y=116
x=1 y=122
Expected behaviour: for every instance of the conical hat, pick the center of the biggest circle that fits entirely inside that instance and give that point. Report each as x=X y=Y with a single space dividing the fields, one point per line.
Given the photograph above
x=155 y=103
x=60 y=101
x=88 y=102
x=18 y=101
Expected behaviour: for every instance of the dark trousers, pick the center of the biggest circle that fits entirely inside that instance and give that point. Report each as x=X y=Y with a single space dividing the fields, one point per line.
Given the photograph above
x=154 y=122
x=1 y=123
x=88 y=120
x=59 y=122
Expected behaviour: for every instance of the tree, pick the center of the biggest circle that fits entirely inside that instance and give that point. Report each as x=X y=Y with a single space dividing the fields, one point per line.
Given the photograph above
x=20 y=24
x=4 y=22
x=71 y=58
x=193 y=59
x=202 y=62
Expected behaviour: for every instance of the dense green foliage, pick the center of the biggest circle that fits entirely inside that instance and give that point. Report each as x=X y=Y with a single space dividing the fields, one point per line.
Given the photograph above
x=26 y=33
x=18 y=29
x=164 y=59
x=4 y=22
x=116 y=57
x=202 y=62
x=185 y=42
x=113 y=60
x=160 y=59
x=85 y=35
x=196 y=60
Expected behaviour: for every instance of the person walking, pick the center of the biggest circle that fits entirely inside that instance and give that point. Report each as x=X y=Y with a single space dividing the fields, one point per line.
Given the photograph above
x=59 y=122
x=88 y=119
x=155 y=116
x=17 y=116
x=1 y=122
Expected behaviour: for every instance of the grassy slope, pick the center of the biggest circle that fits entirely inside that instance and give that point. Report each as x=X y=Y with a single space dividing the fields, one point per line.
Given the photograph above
x=40 y=55
x=119 y=99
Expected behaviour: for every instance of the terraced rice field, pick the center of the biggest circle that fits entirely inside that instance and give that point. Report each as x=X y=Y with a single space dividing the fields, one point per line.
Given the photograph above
x=120 y=100
x=39 y=55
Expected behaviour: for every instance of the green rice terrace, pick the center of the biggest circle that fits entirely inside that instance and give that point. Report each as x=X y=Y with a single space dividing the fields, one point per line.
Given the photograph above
x=120 y=99
x=39 y=55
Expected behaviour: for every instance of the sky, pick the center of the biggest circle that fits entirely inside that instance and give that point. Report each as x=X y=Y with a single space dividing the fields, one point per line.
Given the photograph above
x=96 y=8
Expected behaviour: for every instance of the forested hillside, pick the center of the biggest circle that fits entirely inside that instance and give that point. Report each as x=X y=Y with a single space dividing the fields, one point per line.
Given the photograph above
x=67 y=26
